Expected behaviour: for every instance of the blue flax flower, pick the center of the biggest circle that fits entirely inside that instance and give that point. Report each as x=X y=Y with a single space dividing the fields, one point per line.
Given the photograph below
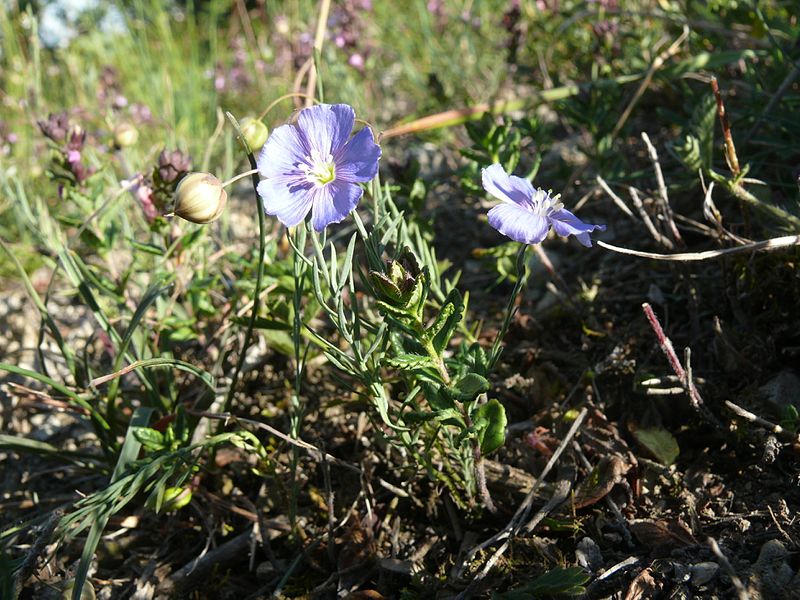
x=527 y=213
x=314 y=165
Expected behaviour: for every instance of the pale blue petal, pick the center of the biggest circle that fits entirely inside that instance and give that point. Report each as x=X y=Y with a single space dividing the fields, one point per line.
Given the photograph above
x=326 y=127
x=565 y=223
x=505 y=187
x=333 y=202
x=285 y=148
x=357 y=161
x=288 y=199
x=519 y=224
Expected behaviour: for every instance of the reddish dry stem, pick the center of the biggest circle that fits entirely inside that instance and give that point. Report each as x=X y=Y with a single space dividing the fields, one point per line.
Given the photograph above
x=730 y=149
x=665 y=343
x=684 y=376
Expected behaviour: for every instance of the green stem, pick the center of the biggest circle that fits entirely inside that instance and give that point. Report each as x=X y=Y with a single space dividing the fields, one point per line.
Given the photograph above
x=262 y=248
x=770 y=210
x=434 y=356
x=522 y=278
x=480 y=477
x=296 y=408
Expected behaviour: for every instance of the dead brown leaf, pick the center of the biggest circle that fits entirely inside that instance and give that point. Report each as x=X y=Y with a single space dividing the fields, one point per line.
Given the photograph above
x=662 y=536
x=610 y=471
x=644 y=586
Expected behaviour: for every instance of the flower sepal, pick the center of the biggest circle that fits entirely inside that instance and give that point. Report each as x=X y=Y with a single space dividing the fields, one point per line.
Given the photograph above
x=402 y=289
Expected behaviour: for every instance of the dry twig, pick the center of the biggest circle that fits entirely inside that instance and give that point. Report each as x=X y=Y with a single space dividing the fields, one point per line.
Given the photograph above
x=754 y=418
x=637 y=202
x=730 y=148
x=684 y=374
x=37 y=549
x=659 y=61
x=726 y=565
x=194 y=572
x=767 y=245
x=615 y=198
x=663 y=196
x=521 y=515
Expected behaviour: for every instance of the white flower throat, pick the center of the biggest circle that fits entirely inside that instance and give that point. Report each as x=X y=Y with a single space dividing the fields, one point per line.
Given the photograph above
x=319 y=169
x=544 y=205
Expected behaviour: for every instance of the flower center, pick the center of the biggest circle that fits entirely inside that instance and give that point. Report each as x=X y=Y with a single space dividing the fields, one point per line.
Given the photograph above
x=544 y=205
x=319 y=169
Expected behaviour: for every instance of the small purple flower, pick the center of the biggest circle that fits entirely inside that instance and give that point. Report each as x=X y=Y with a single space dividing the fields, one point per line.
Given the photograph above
x=356 y=61
x=311 y=165
x=528 y=213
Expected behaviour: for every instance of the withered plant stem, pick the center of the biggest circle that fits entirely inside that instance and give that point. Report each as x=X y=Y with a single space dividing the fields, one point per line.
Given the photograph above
x=684 y=374
x=319 y=40
x=730 y=149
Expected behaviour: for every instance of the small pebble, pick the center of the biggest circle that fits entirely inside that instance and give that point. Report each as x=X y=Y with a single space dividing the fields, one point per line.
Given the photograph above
x=704 y=572
x=588 y=554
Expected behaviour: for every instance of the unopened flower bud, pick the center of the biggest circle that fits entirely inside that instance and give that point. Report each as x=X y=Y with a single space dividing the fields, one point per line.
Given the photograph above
x=171 y=166
x=125 y=135
x=255 y=133
x=402 y=286
x=200 y=198
x=174 y=499
x=55 y=127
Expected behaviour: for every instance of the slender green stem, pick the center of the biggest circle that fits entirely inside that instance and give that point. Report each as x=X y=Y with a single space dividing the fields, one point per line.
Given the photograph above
x=262 y=248
x=296 y=415
x=522 y=278
x=775 y=212
x=236 y=178
x=480 y=477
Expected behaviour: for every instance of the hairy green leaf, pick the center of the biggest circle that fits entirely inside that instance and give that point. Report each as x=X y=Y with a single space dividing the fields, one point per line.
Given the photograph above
x=490 y=421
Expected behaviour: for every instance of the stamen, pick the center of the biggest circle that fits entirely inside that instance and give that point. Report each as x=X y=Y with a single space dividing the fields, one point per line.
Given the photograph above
x=543 y=204
x=319 y=170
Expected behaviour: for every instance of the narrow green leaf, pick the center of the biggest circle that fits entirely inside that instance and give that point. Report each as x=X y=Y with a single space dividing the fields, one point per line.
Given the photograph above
x=77 y=272
x=83 y=403
x=334 y=260
x=381 y=400
x=128 y=454
x=347 y=266
x=65 y=350
x=558 y=581
x=150 y=296
x=23 y=444
x=147 y=248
